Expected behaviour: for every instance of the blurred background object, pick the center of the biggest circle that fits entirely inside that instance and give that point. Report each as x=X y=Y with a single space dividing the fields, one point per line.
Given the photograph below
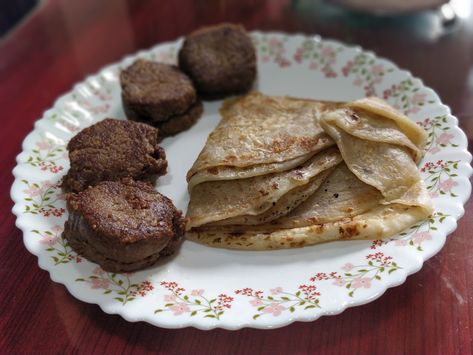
x=12 y=12
x=413 y=13
x=390 y=6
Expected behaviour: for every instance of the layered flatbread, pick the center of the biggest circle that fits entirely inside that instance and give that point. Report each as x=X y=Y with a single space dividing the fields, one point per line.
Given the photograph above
x=379 y=152
x=259 y=135
x=367 y=187
x=378 y=223
x=220 y=200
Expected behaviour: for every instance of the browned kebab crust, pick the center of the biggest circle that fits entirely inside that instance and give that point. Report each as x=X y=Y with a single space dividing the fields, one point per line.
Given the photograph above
x=112 y=149
x=153 y=92
x=179 y=123
x=123 y=225
x=220 y=60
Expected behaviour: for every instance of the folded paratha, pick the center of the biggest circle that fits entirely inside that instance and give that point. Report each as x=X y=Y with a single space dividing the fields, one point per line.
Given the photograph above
x=259 y=135
x=378 y=223
x=224 y=199
x=375 y=192
x=378 y=151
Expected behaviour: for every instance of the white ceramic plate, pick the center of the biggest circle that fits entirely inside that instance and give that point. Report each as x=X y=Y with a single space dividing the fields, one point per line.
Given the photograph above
x=208 y=288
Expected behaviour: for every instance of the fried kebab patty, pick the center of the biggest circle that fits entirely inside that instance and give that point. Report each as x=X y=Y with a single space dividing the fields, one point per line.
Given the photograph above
x=123 y=225
x=112 y=149
x=161 y=95
x=220 y=60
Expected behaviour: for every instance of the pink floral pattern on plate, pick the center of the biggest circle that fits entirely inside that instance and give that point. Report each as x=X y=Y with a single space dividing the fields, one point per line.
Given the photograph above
x=360 y=276
x=357 y=73
x=179 y=302
x=45 y=156
x=440 y=177
x=319 y=55
x=439 y=135
x=118 y=285
x=279 y=300
x=367 y=73
x=43 y=198
x=57 y=245
x=416 y=235
x=420 y=233
x=272 y=48
x=406 y=97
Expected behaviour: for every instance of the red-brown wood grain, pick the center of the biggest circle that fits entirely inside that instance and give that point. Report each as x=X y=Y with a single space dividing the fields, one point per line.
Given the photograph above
x=63 y=41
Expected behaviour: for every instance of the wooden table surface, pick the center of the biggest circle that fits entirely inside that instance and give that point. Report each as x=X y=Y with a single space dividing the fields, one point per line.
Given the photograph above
x=63 y=41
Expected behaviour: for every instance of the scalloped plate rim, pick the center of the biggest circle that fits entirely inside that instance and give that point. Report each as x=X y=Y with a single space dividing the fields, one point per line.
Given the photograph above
x=280 y=322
